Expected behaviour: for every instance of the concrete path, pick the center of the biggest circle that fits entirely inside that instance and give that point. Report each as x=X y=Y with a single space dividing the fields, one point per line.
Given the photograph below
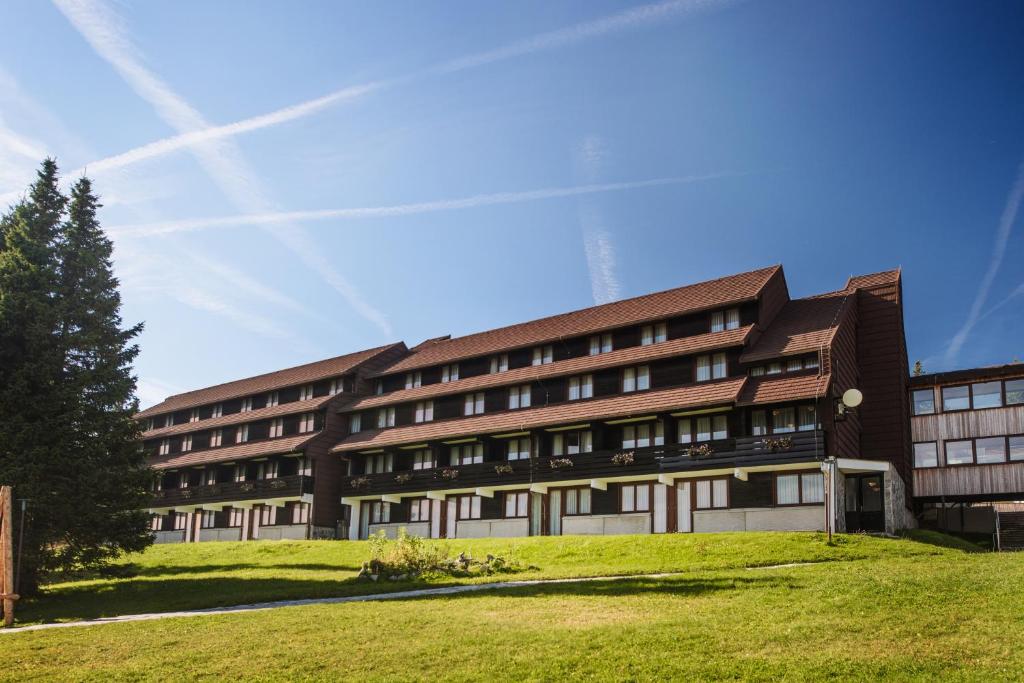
x=398 y=595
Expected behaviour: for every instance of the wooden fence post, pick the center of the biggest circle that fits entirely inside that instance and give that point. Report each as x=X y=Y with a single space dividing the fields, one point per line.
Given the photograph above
x=7 y=554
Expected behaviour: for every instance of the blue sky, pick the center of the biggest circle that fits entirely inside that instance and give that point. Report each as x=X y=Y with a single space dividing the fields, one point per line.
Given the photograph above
x=290 y=181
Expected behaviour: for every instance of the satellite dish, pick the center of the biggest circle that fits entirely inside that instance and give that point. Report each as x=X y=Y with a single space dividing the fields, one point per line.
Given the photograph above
x=852 y=398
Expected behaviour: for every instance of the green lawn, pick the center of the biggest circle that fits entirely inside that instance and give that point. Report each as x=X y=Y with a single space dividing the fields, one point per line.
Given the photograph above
x=902 y=609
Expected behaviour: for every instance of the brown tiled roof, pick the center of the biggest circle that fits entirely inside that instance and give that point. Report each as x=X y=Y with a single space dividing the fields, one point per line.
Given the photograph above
x=241 y=418
x=689 y=299
x=886 y=277
x=776 y=388
x=252 y=449
x=642 y=403
x=301 y=374
x=803 y=326
x=633 y=354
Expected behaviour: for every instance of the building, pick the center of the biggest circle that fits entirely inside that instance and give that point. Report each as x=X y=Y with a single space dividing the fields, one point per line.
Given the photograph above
x=714 y=406
x=249 y=459
x=968 y=434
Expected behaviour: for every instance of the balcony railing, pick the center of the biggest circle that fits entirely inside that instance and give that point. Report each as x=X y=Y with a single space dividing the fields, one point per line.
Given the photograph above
x=595 y=465
x=291 y=486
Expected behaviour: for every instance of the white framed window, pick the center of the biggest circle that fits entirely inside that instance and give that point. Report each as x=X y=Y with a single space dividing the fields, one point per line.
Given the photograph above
x=635 y=498
x=718 y=321
x=235 y=517
x=519 y=448
x=572 y=443
x=636 y=379
x=306 y=392
x=450 y=373
x=217 y=411
x=581 y=387
x=355 y=423
x=337 y=386
x=783 y=420
x=653 y=334
x=576 y=501
x=419 y=510
x=703 y=429
x=719 y=427
x=424 y=411
x=186 y=443
x=414 y=379
x=499 y=363
x=718 y=366
x=757 y=371
x=268 y=469
x=307 y=422
x=193 y=415
x=519 y=397
x=467 y=454
x=542 y=355
x=799 y=489
x=758 y=423
x=216 y=437
x=473 y=404
x=807 y=418
x=242 y=434
x=469 y=507
x=794 y=364
x=811 y=363
x=712 y=493
x=732 y=319
x=380 y=512
x=774 y=368
x=379 y=463
x=300 y=513
x=180 y=520
x=644 y=435
x=685 y=430
x=703 y=368
x=272 y=399
x=246 y=405
x=423 y=459
x=165 y=446
x=600 y=343
x=276 y=428
x=379 y=387
x=517 y=504
x=386 y=417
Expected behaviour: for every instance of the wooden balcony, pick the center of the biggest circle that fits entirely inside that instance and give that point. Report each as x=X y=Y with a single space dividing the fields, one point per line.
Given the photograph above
x=292 y=486
x=596 y=465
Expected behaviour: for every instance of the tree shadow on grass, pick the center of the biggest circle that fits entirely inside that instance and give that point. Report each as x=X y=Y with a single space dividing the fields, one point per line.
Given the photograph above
x=174 y=570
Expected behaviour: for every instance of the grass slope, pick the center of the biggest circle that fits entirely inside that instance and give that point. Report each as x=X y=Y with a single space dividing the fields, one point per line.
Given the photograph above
x=905 y=610
x=189 y=576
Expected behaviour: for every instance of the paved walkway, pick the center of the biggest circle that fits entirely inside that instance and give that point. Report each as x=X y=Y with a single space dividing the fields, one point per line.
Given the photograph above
x=398 y=595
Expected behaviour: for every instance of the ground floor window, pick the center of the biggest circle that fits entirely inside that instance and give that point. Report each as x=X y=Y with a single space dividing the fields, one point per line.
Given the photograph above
x=635 y=498
x=300 y=513
x=380 y=512
x=576 y=501
x=209 y=519
x=180 y=520
x=799 y=489
x=469 y=507
x=156 y=523
x=235 y=517
x=517 y=504
x=711 y=493
x=419 y=510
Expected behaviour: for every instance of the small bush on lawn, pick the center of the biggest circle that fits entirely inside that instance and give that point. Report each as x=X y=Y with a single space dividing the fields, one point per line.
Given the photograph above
x=409 y=557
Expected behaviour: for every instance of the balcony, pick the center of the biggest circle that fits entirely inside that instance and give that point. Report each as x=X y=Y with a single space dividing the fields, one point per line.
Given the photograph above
x=755 y=450
x=292 y=486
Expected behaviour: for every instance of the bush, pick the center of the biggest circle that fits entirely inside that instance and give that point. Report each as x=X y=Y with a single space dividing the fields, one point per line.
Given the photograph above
x=410 y=557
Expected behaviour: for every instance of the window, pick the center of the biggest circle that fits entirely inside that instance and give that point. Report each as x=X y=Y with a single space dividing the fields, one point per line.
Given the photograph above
x=653 y=334
x=600 y=343
x=955 y=398
x=235 y=517
x=380 y=512
x=379 y=463
x=419 y=510
x=156 y=523
x=811 y=363
x=709 y=427
x=519 y=397
x=718 y=321
x=337 y=386
x=758 y=423
x=186 y=443
x=306 y=392
x=180 y=520
x=216 y=437
x=783 y=420
x=300 y=513
x=467 y=454
x=379 y=388
x=572 y=443
x=576 y=501
x=636 y=379
x=926 y=455
x=499 y=363
x=685 y=429
x=208 y=519
x=923 y=401
x=719 y=427
x=581 y=387
x=474 y=404
x=757 y=371
x=959 y=452
x=193 y=415
x=307 y=422
x=703 y=368
x=774 y=369
x=703 y=429
x=986 y=395
x=808 y=418
x=542 y=355
x=424 y=412
x=450 y=373
x=385 y=417
x=355 y=423
x=799 y=489
x=641 y=435
x=246 y=405
x=635 y=498
x=165 y=446
x=732 y=319
x=794 y=364
x=1014 y=392
x=423 y=459
x=469 y=507
x=990 y=450
x=413 y=380
x=242 y=434
x=276 y=428
x=217 y=410
x=168 y=420
x=269 y=469
x=517 y=504
x=272 y=399
x=712 y=493
x=1017 y=448
x=718 y=369
x=519 y=449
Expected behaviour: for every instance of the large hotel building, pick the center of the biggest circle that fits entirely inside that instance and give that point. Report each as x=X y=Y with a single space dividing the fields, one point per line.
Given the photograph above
x=722 y=405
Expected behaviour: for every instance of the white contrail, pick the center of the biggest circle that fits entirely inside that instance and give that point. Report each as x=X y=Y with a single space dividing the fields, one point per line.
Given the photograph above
x=475 y=201
x=598 y=247
x=604 y=283
x=220 y=158
x=1006 y=221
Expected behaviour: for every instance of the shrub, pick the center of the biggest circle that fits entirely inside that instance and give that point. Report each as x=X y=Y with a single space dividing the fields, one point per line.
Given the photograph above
x=410 y=557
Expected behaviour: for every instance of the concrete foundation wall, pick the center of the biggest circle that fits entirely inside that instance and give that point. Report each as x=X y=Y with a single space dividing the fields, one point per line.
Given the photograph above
x=492 y=528
x=799 y=518
x=279 y=532
x=412 y=528
x=230 y=534
x=897 y=515
x=607 y=525
x=169 y=536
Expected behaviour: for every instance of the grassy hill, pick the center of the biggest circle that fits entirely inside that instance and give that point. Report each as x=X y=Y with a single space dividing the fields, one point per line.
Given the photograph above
x=868 y=608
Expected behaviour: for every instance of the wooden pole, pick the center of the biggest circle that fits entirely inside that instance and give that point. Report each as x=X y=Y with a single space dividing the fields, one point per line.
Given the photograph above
x=7 y=554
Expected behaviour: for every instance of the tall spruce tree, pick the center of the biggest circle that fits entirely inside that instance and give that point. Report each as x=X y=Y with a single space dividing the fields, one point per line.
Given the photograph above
x=68 y=443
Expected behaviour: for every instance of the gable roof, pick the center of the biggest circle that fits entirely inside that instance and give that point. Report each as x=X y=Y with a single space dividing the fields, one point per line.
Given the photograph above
x=209 y=456
x=693 y=298
x=802 y=326
x=300 y=374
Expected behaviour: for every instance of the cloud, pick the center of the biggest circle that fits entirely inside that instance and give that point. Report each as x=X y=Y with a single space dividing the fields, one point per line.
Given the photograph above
x=592 y=157
x=475 y=201
x=1006 y=221
x=151 y=391
x=604 y=283
x=219 y=157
